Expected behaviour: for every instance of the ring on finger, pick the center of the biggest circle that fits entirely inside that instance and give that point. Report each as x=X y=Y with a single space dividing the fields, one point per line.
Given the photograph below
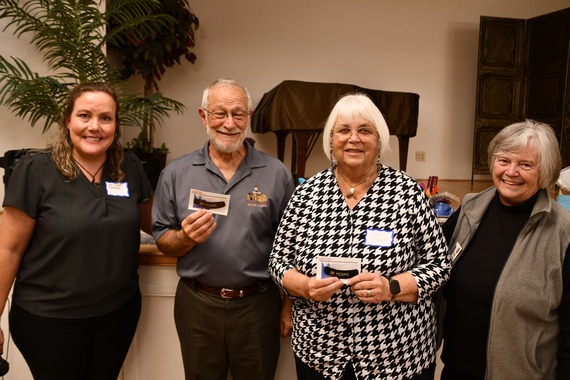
x=368 y=293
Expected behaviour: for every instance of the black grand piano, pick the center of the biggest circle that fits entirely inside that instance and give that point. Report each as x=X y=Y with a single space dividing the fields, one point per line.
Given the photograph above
x=302 y=108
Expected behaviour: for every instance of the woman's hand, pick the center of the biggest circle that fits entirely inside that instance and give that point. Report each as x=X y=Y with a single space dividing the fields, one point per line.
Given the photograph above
x=371 y=287
x=299 y=285
x=322 y=290
x=375 y=288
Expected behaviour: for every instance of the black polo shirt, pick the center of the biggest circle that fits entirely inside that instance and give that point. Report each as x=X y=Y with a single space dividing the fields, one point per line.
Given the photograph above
x=82 y=258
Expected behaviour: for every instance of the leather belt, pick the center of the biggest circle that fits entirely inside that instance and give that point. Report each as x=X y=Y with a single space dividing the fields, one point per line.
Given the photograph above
x=230 y=293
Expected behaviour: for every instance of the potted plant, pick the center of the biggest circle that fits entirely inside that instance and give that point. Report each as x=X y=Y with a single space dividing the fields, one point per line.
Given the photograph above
x=72 y=36
x=149 y=57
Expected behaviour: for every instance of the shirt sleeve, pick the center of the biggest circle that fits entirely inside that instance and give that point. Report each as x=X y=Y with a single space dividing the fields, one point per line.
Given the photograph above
x=433 y=266
x=23 y=191
x=449 y=225
x=136 y=169
x=563 y=370
x=164 y=213
x=283 y=254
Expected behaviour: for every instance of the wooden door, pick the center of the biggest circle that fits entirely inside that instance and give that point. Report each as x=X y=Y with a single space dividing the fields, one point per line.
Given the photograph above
x=500 y=82
x=548 y=98
x=523 y=72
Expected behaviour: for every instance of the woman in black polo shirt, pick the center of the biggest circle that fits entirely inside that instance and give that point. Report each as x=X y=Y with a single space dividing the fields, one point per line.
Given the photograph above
x=70 y=236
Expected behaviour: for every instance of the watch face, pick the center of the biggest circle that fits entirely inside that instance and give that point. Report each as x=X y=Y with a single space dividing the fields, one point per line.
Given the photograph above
x=394 y=286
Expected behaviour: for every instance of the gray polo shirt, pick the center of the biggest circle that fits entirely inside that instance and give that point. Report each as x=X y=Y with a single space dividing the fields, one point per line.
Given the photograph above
x=237 y=252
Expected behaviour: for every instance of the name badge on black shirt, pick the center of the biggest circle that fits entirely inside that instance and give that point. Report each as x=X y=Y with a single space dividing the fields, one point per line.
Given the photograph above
x=117 y=189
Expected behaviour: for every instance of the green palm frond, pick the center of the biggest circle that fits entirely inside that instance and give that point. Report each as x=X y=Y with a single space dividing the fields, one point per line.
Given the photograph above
x=145 y=113
x=140 y=111
x=30 y=96
x=71 y=36
x=134 y=20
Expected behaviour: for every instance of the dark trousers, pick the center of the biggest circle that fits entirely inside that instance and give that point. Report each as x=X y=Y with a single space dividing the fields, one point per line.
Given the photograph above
x=217 y=334
x=452 y=374
x=304 y=372
x=76 y=349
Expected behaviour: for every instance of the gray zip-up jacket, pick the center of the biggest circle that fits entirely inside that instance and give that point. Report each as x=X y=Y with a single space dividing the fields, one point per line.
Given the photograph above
x=523 y=332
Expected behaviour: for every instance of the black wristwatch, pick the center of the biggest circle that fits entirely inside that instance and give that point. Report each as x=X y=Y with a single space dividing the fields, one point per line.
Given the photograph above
x=394 y=287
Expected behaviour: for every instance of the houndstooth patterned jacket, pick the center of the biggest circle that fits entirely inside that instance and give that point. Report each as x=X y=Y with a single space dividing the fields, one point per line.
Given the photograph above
x=390 y=340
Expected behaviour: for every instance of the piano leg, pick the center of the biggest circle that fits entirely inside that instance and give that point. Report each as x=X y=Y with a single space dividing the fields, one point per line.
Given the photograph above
x=281 y=138
x=299 y=150
x=403 y=142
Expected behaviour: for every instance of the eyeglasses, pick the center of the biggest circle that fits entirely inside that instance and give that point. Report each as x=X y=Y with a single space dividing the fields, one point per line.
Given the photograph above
x=363 y=133
x=222 y=115
x=523 y=165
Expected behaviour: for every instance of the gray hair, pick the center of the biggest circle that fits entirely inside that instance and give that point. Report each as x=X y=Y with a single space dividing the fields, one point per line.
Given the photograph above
x=225 y=82
x=350 y=107
x=516 y=137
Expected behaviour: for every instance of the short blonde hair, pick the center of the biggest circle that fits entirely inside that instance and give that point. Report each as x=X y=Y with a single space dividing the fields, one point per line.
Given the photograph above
x=353 y=106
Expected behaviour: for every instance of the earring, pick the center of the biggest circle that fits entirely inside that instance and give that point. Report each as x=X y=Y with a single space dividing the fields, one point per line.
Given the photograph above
x=331 y=150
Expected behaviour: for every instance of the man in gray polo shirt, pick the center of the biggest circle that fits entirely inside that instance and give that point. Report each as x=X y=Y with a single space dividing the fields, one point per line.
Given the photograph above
x=218 y=209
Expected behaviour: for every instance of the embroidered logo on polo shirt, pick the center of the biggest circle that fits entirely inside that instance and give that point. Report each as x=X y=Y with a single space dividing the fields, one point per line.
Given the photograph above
x=256 y=198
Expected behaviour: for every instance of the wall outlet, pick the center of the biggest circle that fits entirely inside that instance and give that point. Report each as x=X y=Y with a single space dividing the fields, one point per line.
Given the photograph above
x=420 y=156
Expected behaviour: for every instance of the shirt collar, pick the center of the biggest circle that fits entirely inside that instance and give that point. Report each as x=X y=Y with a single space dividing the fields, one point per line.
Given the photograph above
x=253 y=157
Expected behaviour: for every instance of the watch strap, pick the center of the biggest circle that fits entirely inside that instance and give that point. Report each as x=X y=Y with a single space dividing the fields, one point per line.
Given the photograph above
x=394 y=287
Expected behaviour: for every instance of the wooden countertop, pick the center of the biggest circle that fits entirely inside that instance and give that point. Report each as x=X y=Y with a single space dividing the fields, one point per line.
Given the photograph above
x=150 y=255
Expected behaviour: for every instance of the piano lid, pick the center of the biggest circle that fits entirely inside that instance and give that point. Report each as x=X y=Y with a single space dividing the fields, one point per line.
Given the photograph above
x=296 y=105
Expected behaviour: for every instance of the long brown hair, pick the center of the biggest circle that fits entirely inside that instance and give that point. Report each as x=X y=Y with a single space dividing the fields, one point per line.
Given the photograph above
x=62 y=148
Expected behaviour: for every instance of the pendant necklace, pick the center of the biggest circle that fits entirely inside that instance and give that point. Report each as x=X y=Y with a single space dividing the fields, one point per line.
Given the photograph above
x=351 y=191
x=96 y=184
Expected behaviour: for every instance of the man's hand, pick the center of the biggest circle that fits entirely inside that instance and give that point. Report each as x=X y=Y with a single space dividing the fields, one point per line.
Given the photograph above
x=198 y=226
x=286 y=318
x=1 y=341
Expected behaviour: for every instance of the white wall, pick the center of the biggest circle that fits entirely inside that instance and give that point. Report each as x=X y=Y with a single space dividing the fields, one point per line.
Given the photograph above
x=426 y=47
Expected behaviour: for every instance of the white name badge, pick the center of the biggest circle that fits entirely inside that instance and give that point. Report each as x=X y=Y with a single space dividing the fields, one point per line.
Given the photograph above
x=117 y=189
x=379 y=238
x=456 y=251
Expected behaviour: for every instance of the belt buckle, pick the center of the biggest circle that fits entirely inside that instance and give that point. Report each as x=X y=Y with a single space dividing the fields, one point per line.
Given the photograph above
x=226 y=296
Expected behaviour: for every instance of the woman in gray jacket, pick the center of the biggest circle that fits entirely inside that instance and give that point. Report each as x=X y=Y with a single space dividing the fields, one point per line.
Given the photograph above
x=508 y=303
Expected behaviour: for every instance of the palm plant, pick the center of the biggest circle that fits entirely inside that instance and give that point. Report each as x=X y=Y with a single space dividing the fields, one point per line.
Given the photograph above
x=149 y=57
x=72 y=36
